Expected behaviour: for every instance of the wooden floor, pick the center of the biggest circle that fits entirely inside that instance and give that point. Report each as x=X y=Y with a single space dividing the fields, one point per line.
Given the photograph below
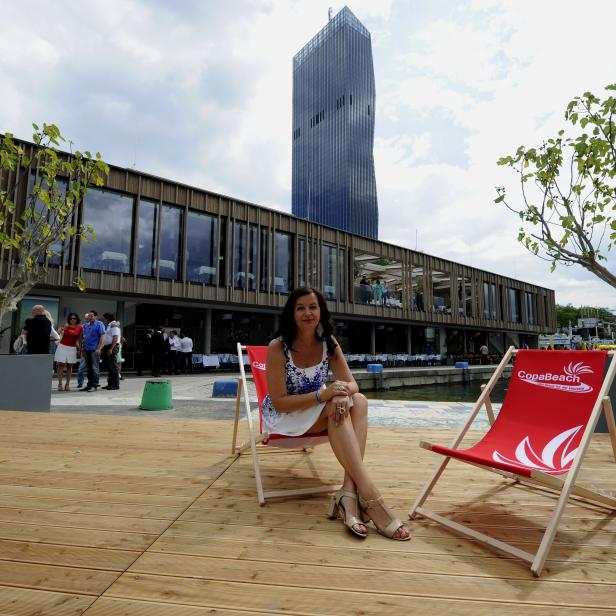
x=124 y=516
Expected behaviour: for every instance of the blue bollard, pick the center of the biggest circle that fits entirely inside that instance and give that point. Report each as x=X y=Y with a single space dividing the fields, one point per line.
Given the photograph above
x=225 y=389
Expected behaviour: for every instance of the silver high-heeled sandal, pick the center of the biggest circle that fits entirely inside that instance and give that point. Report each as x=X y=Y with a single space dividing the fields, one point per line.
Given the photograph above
x=390 y=530
x=337 y=509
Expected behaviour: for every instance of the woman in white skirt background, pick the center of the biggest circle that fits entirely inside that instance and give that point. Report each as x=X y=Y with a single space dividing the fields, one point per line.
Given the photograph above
x=66 y=352
x=299 y=402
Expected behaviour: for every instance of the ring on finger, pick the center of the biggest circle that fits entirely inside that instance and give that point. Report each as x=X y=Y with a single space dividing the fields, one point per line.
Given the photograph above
x=340 y=387
x=340 y=410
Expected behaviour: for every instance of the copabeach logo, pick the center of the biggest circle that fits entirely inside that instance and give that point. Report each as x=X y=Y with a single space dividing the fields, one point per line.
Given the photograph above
x=569 y=380
x=258 y=365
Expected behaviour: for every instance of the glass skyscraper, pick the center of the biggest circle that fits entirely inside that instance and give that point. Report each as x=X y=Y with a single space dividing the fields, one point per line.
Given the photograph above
x=333 y=128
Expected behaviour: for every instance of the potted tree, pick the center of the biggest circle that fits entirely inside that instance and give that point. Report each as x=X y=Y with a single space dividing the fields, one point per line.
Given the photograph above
x=40 y=187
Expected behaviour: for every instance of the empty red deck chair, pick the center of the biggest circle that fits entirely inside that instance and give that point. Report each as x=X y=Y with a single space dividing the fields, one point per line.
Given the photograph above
x=257 y=356
x=541 y=434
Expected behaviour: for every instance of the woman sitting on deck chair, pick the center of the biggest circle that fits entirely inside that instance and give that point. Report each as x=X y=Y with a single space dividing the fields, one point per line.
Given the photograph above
x=299 y=403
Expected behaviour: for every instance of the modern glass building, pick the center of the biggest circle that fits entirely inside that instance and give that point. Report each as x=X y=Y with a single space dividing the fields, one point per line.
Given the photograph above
x=333 y=128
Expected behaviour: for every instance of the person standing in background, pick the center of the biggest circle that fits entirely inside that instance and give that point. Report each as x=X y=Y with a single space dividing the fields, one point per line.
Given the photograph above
x=174 y=350
x=66 y=352
x=109 y=352
x=37 y=331
x=186 y=350
x=93 y=336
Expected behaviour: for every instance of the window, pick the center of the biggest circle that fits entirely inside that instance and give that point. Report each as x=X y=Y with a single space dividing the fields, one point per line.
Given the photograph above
x=342 y=275
x=514 y=305
x=60 y=249
x=301 y=262
x=417 y=282
x=329 y=271
x=529 y=304
x=283 y=259
x=486 y=300
x=240 y=254
x=146 y=240
x=110 y=214
x=252 y=259
x=263 y=259
x=201 y=243
x=493 y=300
x=441 y=292
x=170 y=262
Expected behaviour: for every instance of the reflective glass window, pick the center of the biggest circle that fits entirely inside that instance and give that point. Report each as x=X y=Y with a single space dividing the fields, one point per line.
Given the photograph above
x=441 y=291
x=201 y=241
x=493 y=299
x=330 y=271
x=301 y=262
x=170 y=242
x=252 y=260
x=486 y=300
x=60 y=250
x=240 y=254
x=146 y=240
x=342 y=275
x=283 y=258
x=263 y=259
x=514 y=305
x=110 y=214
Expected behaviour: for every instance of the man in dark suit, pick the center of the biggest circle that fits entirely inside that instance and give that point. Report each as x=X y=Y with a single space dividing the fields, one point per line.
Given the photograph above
x=38 y=332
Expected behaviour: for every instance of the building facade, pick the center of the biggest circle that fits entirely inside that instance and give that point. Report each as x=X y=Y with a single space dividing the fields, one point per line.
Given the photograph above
x=221 y=269
x=333 y=129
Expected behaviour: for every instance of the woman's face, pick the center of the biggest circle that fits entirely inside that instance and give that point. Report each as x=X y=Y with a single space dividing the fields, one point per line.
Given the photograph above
x=307 y=312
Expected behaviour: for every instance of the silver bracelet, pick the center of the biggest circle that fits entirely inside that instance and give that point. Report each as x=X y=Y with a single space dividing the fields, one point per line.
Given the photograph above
x=318 y=397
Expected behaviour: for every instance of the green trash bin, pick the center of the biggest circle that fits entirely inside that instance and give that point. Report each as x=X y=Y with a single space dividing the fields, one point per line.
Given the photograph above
x=157 y=396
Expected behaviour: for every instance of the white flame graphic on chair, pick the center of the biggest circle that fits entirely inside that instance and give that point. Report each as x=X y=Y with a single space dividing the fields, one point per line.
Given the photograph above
x=555 y=456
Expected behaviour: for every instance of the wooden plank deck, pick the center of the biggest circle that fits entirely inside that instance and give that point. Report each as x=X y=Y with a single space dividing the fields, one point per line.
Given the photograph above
x=125 y=516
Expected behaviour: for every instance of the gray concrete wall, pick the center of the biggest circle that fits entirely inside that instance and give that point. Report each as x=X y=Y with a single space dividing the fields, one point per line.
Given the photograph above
x=25 y=382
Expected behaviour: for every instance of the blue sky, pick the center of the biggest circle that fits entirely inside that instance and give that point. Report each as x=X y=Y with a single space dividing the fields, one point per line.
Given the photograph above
x=200 y=92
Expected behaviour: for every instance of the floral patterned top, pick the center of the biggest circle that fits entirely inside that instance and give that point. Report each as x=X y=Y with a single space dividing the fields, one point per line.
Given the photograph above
x=298 y=381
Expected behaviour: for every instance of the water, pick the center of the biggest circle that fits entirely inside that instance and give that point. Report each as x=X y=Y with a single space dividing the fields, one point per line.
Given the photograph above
x=441 y=392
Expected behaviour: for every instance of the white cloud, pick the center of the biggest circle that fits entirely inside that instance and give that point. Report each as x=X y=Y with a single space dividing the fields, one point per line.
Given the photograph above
x=200 y=92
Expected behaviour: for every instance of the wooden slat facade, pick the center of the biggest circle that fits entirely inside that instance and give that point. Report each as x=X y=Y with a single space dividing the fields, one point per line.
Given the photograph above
x=140 y=185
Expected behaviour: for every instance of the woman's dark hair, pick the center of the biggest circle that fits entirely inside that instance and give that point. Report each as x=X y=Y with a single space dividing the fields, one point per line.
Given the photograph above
x=70 y=316
x=288 y=330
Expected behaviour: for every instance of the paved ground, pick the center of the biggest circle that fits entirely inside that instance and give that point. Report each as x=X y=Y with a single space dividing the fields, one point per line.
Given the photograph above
x=192 y=398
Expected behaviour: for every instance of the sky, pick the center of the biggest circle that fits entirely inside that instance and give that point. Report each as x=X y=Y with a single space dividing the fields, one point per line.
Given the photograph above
x=199 y=92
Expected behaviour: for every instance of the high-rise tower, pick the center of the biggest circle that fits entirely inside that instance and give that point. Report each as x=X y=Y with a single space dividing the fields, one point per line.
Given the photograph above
x=333 y=128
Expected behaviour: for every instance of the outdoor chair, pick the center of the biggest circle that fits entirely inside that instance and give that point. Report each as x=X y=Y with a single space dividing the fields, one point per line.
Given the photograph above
x=540 y=436
x=263 y=442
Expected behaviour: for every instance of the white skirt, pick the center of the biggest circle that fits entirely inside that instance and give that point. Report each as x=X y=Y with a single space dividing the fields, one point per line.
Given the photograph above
x=292 y=424
x=65 y=354
x=295 y=423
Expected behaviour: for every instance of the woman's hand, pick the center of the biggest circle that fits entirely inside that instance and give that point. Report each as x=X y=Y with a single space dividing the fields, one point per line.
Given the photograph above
x=337 y=388
x=339 y=408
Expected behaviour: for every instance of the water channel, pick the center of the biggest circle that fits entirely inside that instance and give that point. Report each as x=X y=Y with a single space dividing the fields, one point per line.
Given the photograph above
x=441 y=392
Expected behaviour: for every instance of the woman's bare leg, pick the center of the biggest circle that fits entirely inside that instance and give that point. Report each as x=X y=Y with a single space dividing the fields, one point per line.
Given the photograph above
x=69 y=374
x=60 y=368
x=347 y=449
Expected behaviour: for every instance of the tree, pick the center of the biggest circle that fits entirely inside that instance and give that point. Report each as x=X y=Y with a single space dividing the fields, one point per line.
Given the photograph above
x=569 y=189
x=33 y=229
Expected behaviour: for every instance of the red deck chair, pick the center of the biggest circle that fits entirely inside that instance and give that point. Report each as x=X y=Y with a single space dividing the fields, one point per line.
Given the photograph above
x=257 y=443
x=540 y=436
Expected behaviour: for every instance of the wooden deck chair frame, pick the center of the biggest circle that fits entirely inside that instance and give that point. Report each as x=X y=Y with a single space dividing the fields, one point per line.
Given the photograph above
x=566 y=487
x=255 y=445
